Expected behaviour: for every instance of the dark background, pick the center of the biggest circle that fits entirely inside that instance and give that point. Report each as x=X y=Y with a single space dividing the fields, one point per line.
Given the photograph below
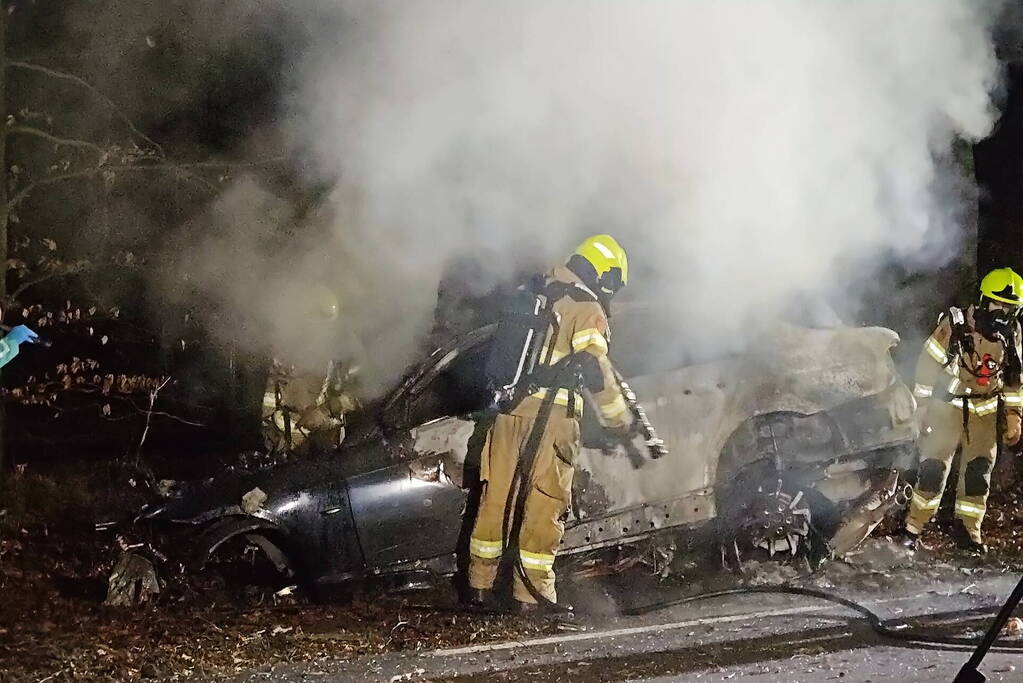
x=999 y=167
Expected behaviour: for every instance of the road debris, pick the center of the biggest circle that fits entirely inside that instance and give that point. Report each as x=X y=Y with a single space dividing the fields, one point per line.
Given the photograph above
x=253 y=501
x=132 y=582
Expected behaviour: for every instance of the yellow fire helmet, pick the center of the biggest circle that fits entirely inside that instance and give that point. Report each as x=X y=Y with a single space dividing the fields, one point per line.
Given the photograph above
x=1003 y=284
x=609 y=261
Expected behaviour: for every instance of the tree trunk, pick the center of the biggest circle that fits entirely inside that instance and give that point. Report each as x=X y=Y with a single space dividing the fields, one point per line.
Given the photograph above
x=4 y=212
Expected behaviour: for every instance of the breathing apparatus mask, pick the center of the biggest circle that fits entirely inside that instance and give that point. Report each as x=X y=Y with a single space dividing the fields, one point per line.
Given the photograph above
x=996 y=322
x=605 y=287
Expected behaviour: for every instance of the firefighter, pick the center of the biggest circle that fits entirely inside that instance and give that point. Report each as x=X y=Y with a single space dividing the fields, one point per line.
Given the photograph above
x=968 y=389
x=579 y=293
x=305 y=410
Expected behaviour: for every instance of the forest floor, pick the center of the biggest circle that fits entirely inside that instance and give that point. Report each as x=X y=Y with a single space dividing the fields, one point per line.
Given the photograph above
x=54 y=626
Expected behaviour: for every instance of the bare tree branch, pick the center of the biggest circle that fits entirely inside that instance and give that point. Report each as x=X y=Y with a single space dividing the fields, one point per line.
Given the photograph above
x=149 y=417
x=77 y=80
x=96 y=406
x=59 y=141
x=140 y=168
x=51 y=180
x=69 y=269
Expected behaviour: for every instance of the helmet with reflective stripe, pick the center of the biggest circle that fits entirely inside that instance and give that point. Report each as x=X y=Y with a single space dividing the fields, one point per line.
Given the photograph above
x=1003 y=284
x=608 y=260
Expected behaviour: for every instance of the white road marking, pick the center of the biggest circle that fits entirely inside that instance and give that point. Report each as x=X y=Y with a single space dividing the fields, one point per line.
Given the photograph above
x=635 y=630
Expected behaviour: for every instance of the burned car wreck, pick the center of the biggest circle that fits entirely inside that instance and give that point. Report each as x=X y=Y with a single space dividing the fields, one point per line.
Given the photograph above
x=798 y=448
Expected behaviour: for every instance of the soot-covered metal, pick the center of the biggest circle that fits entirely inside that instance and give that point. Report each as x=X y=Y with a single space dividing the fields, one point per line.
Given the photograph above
x=820 y=425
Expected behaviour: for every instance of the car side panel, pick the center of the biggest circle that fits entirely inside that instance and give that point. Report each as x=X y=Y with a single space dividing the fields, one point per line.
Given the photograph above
x=405 y=512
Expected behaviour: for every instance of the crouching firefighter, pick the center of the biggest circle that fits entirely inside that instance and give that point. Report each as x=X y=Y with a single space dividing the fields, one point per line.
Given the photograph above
x=968 y=387
x=551 y=344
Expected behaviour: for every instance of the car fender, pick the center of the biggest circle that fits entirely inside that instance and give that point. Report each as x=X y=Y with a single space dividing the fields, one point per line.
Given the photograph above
x=224 y=530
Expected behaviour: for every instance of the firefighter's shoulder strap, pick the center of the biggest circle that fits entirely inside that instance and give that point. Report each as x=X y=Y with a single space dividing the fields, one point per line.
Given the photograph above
x=529 y=325
x=960 y=341
x=580 y=369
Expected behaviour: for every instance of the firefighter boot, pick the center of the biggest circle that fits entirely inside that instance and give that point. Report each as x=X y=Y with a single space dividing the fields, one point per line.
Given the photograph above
x=965 y=541
x=477 y=597
x=910 y=541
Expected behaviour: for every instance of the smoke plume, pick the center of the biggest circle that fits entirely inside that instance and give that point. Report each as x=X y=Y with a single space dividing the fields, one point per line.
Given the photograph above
x=744 y=152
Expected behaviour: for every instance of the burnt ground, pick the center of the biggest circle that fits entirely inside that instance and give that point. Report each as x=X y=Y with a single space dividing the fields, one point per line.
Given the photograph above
x=53 y=626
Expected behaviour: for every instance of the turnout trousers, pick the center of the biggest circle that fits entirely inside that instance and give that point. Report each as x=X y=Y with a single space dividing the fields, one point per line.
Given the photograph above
x=943 y=433
x=548 y=496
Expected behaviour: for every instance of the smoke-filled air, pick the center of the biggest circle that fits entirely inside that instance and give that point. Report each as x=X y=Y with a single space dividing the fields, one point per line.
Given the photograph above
x=741 y=151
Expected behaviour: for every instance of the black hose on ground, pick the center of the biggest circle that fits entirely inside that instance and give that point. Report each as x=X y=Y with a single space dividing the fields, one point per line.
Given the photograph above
x=876 y=623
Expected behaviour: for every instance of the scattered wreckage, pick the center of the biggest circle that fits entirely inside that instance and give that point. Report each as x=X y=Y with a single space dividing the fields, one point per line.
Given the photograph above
x=799 y=448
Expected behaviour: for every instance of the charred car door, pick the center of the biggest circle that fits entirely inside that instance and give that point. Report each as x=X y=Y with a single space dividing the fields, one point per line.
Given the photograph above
x=409 y=514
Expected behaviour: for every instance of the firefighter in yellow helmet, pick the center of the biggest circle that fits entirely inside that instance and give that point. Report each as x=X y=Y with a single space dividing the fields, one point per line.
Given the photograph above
x=305 y=410
x=967 y=385
x=578 y=293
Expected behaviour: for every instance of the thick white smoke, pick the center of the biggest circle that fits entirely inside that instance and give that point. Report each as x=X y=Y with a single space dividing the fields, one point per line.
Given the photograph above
x=742 y=150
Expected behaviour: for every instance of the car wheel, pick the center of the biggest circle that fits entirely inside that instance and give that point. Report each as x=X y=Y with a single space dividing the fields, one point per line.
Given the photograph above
x=249 y=562
x=760 y=512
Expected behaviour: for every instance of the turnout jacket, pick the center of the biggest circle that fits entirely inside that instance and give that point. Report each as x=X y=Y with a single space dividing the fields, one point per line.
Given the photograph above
x=978 y=377
x=583 y=328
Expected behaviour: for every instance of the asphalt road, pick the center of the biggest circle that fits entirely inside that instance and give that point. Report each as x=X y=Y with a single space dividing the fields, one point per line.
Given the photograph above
x=739 y=638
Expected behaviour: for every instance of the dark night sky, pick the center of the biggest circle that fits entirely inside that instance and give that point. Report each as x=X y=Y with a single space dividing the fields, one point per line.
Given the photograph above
x=999 y=165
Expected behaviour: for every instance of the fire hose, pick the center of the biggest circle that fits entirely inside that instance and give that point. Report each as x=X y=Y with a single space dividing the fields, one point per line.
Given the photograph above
x=969 y=672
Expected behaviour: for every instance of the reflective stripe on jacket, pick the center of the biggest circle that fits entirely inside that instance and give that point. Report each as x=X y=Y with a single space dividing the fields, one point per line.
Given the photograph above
x=583 y=328
x=955 y=381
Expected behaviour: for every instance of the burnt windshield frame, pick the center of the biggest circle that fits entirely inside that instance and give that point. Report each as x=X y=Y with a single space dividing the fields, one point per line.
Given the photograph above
x=398 y=408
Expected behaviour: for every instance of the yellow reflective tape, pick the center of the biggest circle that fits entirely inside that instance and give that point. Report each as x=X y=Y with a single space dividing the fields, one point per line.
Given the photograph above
x=587 y=338
x=485 y=549
x=562 y=397
x=913 y=528
x=977 y=408
x=926 y=503
x=936 y=350
x=987 y=408
x=614 y=408
x=1012 y=399
x=923 y=391
x=532 y=565
x=953 y=386
x=969 y=509
x=537 y=556
x=555 y=356
x=269 y=400
x=540 y=561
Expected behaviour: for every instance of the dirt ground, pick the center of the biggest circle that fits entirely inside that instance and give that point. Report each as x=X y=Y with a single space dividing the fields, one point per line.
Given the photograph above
x=53 y=626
